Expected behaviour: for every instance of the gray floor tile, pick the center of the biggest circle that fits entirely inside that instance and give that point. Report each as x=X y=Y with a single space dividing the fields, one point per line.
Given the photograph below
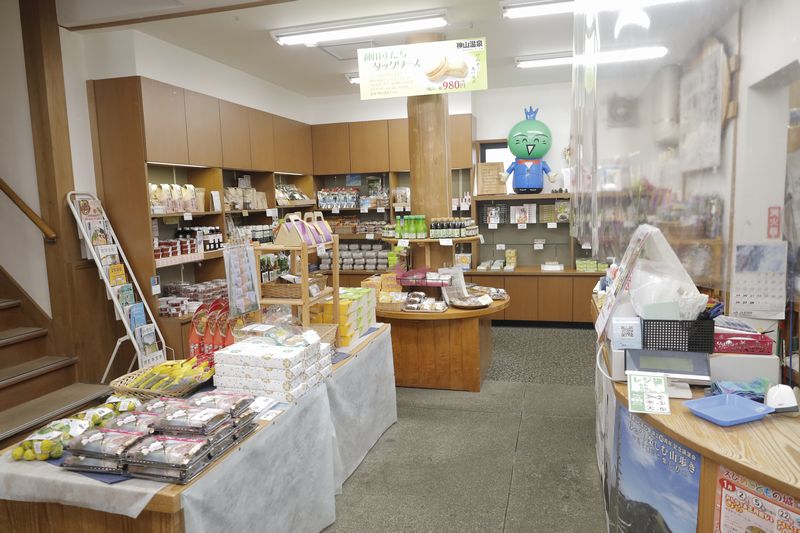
x=556 y=486
x=495 y=396
x=559 y=400
x=435 y=470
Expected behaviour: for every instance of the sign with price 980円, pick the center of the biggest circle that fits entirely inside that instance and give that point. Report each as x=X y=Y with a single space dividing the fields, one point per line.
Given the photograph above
x=422 y=68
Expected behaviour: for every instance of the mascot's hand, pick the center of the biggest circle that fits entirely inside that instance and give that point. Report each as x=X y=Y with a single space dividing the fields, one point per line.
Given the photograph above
x=553 y=177
x=504 y=177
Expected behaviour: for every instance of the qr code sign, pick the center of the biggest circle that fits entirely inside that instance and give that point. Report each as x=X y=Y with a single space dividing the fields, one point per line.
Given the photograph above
x=626 y=332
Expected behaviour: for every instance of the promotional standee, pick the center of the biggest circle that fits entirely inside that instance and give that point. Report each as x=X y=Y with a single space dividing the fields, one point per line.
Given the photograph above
x=529 y=140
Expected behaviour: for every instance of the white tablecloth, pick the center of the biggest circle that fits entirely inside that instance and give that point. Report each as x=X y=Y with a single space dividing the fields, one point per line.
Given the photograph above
x=363 y=403
x=281 y=479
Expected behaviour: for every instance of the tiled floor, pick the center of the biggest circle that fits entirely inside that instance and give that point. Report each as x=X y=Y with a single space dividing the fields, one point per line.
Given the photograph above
x=518 y=456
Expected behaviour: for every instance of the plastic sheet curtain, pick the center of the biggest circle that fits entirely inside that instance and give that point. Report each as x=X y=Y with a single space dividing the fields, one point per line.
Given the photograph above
x=652 y=141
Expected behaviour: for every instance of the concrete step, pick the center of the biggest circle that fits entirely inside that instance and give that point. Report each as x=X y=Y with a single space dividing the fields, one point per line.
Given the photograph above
x=33 y=414
x=31 y=379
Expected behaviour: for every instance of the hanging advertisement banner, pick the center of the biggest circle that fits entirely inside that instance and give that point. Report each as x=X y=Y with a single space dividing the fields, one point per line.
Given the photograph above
x=422 y=68
x=744 y=506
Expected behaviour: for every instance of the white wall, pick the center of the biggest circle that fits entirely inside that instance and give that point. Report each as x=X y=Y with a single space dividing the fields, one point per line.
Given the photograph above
x=22 y=250
x=74 y=62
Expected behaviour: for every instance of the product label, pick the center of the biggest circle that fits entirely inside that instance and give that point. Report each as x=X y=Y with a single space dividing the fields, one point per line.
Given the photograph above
x=522 y=226
x=492 y=225
x=552 y=225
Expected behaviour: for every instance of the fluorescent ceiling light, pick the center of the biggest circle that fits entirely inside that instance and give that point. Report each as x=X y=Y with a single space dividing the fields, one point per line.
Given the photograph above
x=360 y=28
x=516 y=9
x=537 y=9
x=353 y=78
x=600 y=58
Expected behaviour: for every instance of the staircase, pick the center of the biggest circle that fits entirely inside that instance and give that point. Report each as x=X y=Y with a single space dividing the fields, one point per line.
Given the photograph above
x=34 y=388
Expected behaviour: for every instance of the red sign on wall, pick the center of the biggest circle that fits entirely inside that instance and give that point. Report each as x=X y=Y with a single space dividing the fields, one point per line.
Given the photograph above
x=774 y=222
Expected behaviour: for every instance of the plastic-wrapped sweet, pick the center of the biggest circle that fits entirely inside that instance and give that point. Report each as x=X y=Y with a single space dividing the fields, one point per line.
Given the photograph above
x=190 y=419
x=162 y=405
x=165 y=450
x=234 y=402
x=168 y=474
x=103 y=442
x=85 y=463
x=133 y=421
x=247 y=416
x=95 y=415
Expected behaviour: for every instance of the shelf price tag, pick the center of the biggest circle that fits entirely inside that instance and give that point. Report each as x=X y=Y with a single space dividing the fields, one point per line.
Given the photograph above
x=381 y=209
x=407 y=209
x=335 y=210
x=321 y=248
x=272 y=212
x=445 y=242
x=187 y=216
x=403 y=243
x=552 y=225
x=464 y=206
x=365 y=209
x=245 y=213
x=522 y=226
x=492 y=225
x=454 y=202
x=480 y=236
x=538 y=246
x=370 y=236
x=586 y=246
x=500 y=246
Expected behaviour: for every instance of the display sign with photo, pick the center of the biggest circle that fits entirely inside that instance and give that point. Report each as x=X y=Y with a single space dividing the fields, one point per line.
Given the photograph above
x=422 y=68
x=746 y=506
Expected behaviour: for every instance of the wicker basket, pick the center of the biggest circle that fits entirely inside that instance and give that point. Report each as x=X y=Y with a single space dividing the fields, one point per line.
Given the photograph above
x=293 y=290
x=120 y=385
x=326 y=332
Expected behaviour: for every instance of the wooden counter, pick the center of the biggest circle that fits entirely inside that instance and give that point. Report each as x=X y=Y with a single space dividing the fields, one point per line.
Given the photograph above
x=450 y=350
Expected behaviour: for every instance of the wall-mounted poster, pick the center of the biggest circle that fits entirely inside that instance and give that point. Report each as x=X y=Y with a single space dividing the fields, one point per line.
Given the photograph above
x=654 y=485
x=744 y=506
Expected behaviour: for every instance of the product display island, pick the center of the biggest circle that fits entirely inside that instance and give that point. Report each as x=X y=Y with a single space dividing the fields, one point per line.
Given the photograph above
x=450 y=350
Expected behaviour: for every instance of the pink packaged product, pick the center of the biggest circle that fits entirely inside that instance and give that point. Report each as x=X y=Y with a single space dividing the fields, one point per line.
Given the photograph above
x=136 y=421
x=103 y=443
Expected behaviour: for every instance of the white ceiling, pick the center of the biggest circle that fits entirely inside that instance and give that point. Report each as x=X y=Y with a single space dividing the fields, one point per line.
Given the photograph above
x=242 y=40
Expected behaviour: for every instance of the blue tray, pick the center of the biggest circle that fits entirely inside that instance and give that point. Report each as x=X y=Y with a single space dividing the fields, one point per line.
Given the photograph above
x=728 y=409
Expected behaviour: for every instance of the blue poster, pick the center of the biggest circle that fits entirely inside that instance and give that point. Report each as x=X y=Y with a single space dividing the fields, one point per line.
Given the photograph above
x=655 y=483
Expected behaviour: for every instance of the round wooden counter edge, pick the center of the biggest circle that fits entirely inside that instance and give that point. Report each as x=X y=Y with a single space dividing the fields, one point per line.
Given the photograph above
x=450 y=314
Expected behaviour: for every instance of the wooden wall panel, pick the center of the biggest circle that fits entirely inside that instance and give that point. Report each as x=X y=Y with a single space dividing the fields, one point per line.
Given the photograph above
x=331 y=148
x=164 y=112
x=582 y=298
x=235 y=125
x=524 y=293
x=203 y=133
x=398 y=145
x=293 y=152
x=555 y=298
x=462 y=134
x=262 y=140
x=369 y=146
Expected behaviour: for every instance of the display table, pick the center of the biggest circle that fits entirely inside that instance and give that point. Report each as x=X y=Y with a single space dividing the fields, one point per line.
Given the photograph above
x=282 y=478
x=450 y=350
x=721 y=479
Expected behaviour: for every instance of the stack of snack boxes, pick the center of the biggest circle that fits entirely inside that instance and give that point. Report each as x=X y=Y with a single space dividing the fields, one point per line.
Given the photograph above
x=356 y=313
x=283 y=373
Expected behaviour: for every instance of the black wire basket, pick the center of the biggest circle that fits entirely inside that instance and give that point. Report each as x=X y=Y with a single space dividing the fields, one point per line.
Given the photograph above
x=678 y=335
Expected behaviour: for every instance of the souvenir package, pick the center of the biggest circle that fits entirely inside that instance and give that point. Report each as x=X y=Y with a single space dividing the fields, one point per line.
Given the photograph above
x=121 y=403
x=257 y=352
x=233 y=402
x=83 y=463
x=192 y=419
x=264 y=386
x=162 y=405
x=221 y=440
x=103 y=443
x=95 y=415
x=248 y=416
x=136 y=421
x=242 y=371
x=166 y=458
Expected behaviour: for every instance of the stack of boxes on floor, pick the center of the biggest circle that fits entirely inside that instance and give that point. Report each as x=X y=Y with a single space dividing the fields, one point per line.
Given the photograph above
x=284 y=373
x=356 y=313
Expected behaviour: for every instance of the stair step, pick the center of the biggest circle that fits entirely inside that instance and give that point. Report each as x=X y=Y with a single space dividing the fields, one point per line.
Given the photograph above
x=20 y=334
x=31 y=369
x=35 y=413
x=8 y=304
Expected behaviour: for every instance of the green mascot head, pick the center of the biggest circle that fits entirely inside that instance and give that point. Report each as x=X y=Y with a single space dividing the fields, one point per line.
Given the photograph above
x=530 y=138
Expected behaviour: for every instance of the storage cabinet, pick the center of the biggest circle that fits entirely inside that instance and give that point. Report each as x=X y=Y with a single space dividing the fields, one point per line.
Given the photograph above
x=582 y=298
x=331 y=148
x=235 y=126
x=292 y=146
x=262 y=145
x=203 y=129
x=491 y=281
x=524 y=293
x=462 y=133
x=555 y=298
x=164 y=116
x=369 y=146
x=398 y=145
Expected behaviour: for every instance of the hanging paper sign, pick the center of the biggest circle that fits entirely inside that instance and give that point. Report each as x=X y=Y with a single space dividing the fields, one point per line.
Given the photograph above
x=422 y=68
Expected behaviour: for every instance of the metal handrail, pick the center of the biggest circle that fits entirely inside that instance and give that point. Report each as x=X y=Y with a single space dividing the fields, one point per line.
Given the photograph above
x=47 y=231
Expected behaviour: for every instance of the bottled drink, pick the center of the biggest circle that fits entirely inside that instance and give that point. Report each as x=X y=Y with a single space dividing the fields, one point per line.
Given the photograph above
x=423 y=227
x=398 y=228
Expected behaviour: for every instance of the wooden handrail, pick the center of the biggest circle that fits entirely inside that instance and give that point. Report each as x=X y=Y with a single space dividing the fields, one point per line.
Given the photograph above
x=47 y=231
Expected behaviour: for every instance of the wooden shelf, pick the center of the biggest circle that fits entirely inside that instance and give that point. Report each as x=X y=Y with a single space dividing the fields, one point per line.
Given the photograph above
x=356 y=237
x=452 y=313
x=512 y=197
x=534 y=270
x=342 y=209
x=180 y=215
x=271 y=248
x=187 y=258
x=352 y=272
x=456 y=240
x=297 y=203
x=297 y=301
x=250 y=212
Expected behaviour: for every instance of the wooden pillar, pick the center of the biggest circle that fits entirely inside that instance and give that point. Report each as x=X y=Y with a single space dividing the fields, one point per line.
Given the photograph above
x=428 y=146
